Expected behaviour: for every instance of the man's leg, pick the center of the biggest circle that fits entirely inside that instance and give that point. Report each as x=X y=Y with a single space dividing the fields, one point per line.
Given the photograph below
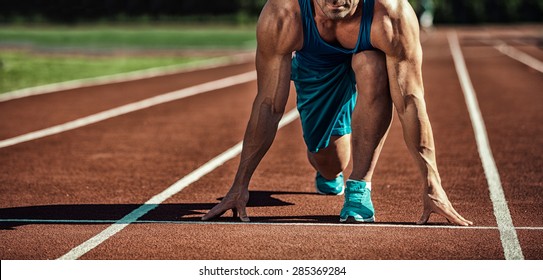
x=330 y=163
x=332 y=160
x=371 y=120
x=372 y=115
x=370 y=123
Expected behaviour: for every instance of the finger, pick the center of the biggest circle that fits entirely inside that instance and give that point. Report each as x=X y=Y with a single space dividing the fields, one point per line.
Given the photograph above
x=243 y=214
x=470 y=223
x=459 y=222
x=424 y=218
x=464 y=222
x=455 y=218
x=218 y=210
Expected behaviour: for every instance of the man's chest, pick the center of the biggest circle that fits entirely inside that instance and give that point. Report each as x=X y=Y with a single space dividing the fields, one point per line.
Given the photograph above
x=344 y=34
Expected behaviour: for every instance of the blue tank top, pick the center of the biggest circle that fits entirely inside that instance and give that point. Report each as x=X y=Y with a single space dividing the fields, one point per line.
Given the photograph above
x=317 y=52
x=324 y=79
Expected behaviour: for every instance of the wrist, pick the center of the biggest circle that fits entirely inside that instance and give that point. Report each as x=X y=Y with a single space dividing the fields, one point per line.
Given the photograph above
x=433 y=184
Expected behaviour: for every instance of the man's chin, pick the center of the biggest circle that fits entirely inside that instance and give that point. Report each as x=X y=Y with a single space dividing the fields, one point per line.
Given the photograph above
x=339 y=12
x=337 y=15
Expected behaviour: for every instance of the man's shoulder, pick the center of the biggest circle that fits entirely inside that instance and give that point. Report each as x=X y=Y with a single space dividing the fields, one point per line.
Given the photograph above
x=280 y=14
x=388 y=11
x=394 y=25
x=282 y=8
x=390 y=8
x=280 y=25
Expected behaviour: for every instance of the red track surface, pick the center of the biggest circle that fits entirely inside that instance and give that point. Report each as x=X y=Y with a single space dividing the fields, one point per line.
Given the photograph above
x=105 y=170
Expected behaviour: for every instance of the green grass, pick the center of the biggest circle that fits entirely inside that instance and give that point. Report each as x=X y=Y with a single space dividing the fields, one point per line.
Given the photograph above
x=182 y=37
x=33 y=66
x=20 y=70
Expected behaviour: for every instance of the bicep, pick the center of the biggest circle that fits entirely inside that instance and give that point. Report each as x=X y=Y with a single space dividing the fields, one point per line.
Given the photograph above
x=403 y=51
x=277 y=38
x=273 y=79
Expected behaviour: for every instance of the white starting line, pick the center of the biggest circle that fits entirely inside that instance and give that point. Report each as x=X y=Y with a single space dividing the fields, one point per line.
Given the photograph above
x=300 y=224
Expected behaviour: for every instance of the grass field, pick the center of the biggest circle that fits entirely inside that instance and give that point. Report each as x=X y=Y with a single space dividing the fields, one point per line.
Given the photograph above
x=31 y=56
x=22 y=69
x=171 y=37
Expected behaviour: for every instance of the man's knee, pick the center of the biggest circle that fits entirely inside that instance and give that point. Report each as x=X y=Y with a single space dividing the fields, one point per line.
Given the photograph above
x=331 y=173
x=334 y=159
x=328 y=167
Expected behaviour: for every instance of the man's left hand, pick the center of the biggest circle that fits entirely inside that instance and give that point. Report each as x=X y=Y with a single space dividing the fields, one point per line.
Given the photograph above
x=439 y=203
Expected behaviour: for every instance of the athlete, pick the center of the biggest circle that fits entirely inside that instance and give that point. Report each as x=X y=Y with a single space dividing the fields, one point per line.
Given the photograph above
x=344 y=50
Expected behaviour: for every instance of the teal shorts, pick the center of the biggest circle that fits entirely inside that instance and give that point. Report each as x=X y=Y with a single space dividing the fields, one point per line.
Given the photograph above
x=326 y=97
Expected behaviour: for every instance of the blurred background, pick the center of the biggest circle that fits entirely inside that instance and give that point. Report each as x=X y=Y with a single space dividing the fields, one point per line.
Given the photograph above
x=45 y=41
x=239 y=11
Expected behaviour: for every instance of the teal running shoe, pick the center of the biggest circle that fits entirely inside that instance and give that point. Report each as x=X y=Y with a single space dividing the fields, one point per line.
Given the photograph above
x=358 y=207
x=329 y=187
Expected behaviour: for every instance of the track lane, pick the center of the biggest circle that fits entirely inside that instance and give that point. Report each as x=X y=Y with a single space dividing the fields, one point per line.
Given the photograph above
x=533 y=51
x=120 y=162
x=511 y=106
x=132 y=107
x=269 y=242
x=42 y=111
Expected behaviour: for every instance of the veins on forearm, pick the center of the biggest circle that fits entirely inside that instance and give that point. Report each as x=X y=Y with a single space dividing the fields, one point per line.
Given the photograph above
x=260 y=133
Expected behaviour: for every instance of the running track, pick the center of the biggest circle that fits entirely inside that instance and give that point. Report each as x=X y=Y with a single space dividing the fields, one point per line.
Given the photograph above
x=79 y=193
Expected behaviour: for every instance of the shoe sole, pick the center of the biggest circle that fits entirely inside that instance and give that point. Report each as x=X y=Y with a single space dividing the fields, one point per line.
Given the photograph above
x=340 y=193
x=353 y=220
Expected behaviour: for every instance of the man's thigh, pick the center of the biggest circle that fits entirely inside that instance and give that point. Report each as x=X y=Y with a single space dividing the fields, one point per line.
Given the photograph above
x=371 y=74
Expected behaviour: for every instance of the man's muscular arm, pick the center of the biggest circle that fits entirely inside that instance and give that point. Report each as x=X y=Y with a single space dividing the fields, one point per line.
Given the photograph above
x=398 y=37
x=278 y=35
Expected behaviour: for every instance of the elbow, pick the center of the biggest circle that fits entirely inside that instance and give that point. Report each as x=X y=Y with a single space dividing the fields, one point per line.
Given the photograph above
x=272 y=106
x=269 y=108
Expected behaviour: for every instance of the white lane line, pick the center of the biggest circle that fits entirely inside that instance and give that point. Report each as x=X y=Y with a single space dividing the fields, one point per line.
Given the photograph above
x=519 y=55
x=152 y=203
x=125 y=77
x=302 y=224
x=508 y=235
x=132 y=107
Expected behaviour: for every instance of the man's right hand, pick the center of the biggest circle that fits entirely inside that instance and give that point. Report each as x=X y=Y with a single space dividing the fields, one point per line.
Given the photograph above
x=235 y=200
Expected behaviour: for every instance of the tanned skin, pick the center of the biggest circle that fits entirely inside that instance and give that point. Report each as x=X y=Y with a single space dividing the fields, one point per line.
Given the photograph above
x=391 y=74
